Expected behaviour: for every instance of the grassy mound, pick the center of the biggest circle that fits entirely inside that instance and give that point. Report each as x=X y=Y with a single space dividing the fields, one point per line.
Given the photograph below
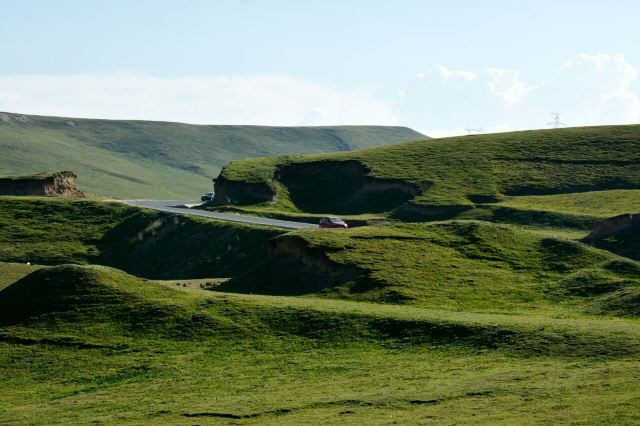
x=460 y=265
x=102 y=300
x=143 y=242
x=135 y=159
x=453 y=174
x=71 y=288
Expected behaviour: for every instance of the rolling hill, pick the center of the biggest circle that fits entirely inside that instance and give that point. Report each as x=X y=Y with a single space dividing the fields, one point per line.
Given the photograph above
x=145 y=159
x=91 y=344
x=440 y=178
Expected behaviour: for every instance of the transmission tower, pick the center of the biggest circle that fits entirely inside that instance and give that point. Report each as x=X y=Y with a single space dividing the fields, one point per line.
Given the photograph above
x=556 y=123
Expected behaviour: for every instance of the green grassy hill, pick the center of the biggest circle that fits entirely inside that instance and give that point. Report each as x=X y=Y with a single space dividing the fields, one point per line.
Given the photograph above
x=495 y=313
x=145 y=159
x=443 y=177
x=459 y=265
x=147 y=243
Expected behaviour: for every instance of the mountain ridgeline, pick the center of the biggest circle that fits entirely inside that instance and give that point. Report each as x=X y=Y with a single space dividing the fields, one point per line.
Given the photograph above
x=131 y=159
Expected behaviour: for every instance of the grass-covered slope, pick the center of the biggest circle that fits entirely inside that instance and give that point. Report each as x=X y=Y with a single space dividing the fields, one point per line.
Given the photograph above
x=11 y=272
x=445 y=176
x=597 y=204
x=571 y=214
x=86 y=344
x=143 y=242
x=135 y=159
x=460 y=265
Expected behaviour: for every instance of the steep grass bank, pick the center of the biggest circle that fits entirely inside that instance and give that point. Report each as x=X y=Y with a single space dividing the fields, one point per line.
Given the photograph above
x=143 y=242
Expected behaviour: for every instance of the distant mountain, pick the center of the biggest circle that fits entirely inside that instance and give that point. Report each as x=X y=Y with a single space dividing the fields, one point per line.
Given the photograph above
x=150 y=159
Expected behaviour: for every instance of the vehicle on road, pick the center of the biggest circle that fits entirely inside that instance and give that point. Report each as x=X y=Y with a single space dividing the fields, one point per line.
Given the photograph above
x=332 y=222
x=208 y=196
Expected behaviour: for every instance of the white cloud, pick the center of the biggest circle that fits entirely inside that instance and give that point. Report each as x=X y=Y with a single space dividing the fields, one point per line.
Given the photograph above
x=444 y=102
x=602 y=85
x=450 y=74
x=264 y=99
x=588 y=89
x=505 y=83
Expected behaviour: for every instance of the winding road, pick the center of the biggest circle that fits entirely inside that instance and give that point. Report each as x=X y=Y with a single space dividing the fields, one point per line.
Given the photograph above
x=181 y=207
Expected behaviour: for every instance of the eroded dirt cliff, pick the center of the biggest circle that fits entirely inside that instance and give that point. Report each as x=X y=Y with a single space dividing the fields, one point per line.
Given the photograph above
x=45 y=184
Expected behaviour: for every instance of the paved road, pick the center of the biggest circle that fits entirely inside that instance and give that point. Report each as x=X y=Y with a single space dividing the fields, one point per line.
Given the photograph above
x=173 y=206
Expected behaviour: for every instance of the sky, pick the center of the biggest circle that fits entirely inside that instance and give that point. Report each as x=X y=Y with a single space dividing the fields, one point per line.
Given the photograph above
x=440 y=67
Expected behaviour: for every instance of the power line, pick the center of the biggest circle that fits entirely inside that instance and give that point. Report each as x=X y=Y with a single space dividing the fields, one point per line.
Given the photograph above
x=556 y=123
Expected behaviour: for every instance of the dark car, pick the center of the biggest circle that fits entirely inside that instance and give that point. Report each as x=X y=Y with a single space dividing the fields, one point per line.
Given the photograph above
x=208 y=196
x=332 y=222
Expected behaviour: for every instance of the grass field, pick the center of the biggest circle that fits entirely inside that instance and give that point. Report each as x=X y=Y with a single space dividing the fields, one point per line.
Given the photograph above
x=457 y=322
x=99 y=346
x=144 y=159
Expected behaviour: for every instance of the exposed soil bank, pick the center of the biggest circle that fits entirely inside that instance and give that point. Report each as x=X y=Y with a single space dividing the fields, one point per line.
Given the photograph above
x=241 y=193
x=613 y=225
x=342 y=187
x=49 y=184
x=619 y=234
x=293 y=268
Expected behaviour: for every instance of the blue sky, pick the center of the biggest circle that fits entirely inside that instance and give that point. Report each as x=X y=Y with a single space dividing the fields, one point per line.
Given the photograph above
x=435 y=66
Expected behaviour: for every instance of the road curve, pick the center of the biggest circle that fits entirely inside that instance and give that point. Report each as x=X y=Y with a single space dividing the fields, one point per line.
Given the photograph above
x=172 y=206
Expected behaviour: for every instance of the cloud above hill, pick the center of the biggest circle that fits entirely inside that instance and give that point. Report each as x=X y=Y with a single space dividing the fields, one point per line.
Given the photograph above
x=587 y=89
